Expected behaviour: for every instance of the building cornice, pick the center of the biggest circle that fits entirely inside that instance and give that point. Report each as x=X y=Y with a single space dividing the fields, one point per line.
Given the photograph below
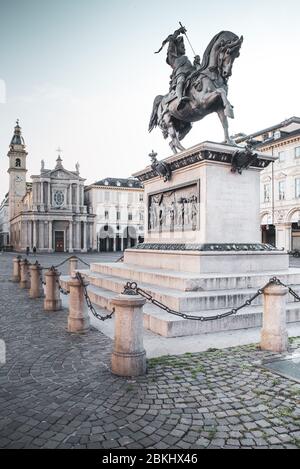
x=279 y=143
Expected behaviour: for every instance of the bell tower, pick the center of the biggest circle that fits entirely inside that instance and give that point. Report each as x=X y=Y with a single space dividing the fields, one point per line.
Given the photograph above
x=17 y=172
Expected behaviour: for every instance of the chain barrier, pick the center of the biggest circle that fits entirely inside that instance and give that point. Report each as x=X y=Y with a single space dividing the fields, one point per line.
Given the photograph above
x=61 y=289
x=89 y=303
x=41 y=275
x=81 y=260
x=66 y=260
x=291 y=291
x=120 y=259
x=133 y=289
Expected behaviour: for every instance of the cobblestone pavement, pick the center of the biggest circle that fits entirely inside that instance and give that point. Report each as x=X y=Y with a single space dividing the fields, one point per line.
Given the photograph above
x=57 y=391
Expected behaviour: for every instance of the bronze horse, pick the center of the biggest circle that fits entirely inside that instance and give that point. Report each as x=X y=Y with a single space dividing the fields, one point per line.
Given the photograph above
x=207 y=89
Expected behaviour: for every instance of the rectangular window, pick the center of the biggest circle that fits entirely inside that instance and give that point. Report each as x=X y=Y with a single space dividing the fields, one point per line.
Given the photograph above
x=266 y=192
x=297 y=152
x=297 y=188
x=129 y=216
x=281 y=187
x=118 y=215
x=141 y=216
x=130 y=197
x=106 y=214
x=281 y=156
x=141 y=197
x=106 y=196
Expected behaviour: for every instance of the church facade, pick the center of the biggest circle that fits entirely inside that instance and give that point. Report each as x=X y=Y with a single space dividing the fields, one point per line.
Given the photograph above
x=48 y=214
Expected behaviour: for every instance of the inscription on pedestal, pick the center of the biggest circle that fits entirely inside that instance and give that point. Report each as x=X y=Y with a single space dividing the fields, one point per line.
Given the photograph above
x=176 y=209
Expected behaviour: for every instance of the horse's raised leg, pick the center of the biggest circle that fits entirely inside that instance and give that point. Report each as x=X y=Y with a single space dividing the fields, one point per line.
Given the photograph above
x=224 y=122
x=173 y=147
x=175 y=143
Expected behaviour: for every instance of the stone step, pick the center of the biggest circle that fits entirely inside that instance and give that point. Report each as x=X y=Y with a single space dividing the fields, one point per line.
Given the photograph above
x=187 y=281
x=168 y=325
x=184 y=301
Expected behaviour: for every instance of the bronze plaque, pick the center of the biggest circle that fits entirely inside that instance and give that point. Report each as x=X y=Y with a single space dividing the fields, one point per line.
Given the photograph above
x=176 y=209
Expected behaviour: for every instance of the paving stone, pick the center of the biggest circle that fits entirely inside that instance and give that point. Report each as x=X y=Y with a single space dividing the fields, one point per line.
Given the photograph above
x=57 y=391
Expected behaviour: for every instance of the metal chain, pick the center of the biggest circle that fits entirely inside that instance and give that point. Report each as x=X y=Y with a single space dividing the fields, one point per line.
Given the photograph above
x=41 y=276
x=81 y=260
x=66 y=260
x=120 y=259
x=291 y=291
x=61 y=289
x=134 y=287
x=89 y=303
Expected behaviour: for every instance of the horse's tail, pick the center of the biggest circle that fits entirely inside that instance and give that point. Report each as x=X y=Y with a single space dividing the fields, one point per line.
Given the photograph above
x=153 y=118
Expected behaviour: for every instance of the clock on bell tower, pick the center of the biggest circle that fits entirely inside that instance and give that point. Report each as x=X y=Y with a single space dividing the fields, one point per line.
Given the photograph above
x=17 y=172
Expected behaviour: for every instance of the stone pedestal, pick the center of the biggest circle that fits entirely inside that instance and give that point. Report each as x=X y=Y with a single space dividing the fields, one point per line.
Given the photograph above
x=78 y=319
x=24 y=277
x=205 y=219
x=73 y=264
x=129 y=356
x=274 y=336
x=16 y=270
x=36 y=290
x=52 y=301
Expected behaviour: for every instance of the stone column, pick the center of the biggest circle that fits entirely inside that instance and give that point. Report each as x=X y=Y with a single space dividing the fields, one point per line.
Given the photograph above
x=73 y=266
x=84 y=237
x=24 y=277
x=50 y=236
x=78 y=319
x=115 y=244
x=34 y=233
x=30 y=235
x=70 y=236
x=288 y=236
x=52 y=300
x=16 y=270
x=122 y=243
x=274 y=335
x=91 y=245
x=70 y=196
x=41 y=235
x=49 y=196
x=36 y=290
x=129 y=356
x=42 y=193
x=78 y=198
x=78 y=233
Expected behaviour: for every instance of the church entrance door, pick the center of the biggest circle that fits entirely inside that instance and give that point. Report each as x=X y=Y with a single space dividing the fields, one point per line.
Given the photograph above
x=59 y=241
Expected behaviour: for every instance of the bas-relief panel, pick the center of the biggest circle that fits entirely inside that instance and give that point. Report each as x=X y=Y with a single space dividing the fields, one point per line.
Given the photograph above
x=176 y=209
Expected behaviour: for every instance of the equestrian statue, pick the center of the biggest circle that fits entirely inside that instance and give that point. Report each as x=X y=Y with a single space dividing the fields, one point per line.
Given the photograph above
x=195 y=89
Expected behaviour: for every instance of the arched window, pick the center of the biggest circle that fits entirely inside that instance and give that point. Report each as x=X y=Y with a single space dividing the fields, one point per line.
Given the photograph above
x=18 y=163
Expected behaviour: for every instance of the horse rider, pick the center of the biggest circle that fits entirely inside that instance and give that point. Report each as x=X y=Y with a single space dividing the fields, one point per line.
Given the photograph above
x=179 y=62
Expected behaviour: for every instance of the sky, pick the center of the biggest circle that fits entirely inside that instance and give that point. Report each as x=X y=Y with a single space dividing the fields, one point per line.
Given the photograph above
x=82 y=75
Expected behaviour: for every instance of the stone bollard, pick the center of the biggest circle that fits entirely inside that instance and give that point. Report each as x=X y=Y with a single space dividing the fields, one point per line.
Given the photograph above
x=16 y=269
x=274 y=336
x=36 y=290
x=52 y=301
x=72 y=266
x=24 y=276
x=129 y=356
x=78 y=319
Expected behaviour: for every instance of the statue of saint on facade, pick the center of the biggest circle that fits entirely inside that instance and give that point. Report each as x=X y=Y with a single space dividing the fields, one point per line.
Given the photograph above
x=195 y=90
